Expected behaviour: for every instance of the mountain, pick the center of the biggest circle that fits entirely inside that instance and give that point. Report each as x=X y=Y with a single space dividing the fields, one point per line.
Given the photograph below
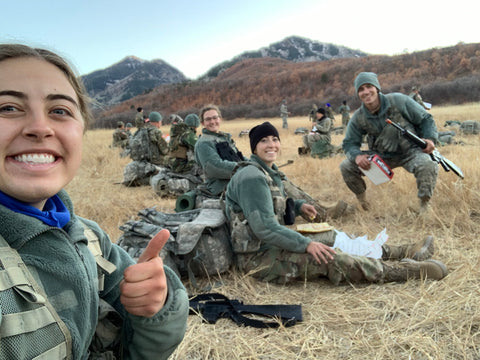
x=128 y=78
x=293 y=48
x=254 y=88
x=133 y=76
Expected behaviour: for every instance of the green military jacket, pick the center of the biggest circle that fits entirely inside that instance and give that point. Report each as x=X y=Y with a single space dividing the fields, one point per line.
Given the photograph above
x=249 y=193
x=217 y=170
x=65 y=268
x=383 y=139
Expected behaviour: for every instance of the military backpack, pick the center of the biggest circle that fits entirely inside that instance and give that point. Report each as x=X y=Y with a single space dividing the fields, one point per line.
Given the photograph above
x=199 y=243
x=139 y=145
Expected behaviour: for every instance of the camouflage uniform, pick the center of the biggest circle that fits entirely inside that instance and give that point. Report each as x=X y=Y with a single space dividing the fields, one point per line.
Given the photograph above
x=311 y=114
x=415 y=95
x=181 y=148
x=158 y=145
x=322 y=131
x=139 y=121
x=329 y=112
x=344 y=109
x=120 y=138
x=284 y=115
x=255 y=204
x=217 y=168
x=388 y=143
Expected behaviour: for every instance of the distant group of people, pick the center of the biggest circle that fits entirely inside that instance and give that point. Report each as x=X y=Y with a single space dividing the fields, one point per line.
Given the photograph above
x=151 y=152
x=61 y=271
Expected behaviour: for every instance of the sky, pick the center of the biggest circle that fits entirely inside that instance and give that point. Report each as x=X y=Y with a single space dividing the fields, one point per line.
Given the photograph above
x=193 y=36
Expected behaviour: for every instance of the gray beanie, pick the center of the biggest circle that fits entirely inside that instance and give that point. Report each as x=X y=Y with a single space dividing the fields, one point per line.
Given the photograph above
x=366 y=78
x=192 y=120
x=155 y=116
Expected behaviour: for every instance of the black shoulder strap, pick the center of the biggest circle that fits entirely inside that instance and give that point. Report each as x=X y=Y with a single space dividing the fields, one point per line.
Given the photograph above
x=214 y=306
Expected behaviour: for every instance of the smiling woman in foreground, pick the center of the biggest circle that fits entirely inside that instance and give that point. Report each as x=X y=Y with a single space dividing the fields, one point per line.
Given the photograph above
x=50 y=306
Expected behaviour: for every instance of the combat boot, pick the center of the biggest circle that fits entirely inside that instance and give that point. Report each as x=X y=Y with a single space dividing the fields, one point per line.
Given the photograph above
x=424 y=204
x=338 y=210
x=421 y=250
x=362 y=199
x=410 y=269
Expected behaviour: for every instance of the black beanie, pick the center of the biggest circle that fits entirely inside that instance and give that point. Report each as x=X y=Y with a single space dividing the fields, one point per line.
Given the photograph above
x=321 y=111
x=259 y=132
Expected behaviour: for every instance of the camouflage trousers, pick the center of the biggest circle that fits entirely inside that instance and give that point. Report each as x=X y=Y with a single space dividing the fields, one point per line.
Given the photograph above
x=280 y=266
x=414 y=161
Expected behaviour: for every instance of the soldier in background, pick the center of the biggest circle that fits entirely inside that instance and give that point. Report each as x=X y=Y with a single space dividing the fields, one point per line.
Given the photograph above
x=175 y=119
x=120 y=136
x=183 y=137
x=284 y=114
x=139 y=121
x=344 y=110
x=329 y=112
x=215 y=152
x=158 y=145
x=128 y=129
x=318 y=141
x=415 y=95
x=311 y=114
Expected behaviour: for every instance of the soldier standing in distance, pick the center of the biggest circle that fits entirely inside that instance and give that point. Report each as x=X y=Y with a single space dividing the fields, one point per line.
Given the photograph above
x=284 y=114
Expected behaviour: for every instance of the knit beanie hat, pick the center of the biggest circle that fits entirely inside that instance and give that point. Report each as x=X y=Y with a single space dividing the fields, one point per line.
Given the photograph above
x=321 y=111
x=192 y=120
x=259 y=132
x=155 y=116
x=366 y=78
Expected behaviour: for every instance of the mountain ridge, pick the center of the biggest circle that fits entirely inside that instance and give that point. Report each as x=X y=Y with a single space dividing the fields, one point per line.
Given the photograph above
x=134 y=76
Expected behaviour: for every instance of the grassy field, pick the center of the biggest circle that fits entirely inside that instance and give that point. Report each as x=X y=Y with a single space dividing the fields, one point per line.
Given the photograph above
x=413 y=320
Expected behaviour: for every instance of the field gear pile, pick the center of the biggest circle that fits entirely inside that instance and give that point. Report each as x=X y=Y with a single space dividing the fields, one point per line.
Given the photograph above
x=138 y=173
x=199 y=243
x=168 y=183
x=470 y=127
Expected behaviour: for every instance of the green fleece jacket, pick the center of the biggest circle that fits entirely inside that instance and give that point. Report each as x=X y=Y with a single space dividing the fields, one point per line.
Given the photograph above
x=249 y=192
x=217 y=171
x=62 y=264
x=396 y=107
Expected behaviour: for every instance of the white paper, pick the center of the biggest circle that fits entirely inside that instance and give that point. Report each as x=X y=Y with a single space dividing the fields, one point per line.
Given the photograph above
x=361 y=245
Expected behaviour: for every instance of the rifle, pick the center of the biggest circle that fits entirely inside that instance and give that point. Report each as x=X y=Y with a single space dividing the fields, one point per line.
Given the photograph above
x=214 y=306
x=287 y=163
x=435 y=155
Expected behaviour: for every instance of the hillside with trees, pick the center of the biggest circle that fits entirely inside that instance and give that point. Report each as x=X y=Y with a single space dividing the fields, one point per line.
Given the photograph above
x=254 y=88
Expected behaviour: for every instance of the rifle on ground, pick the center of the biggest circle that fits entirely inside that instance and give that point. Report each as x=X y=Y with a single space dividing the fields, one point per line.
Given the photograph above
x=215 y=306
x=435 y=155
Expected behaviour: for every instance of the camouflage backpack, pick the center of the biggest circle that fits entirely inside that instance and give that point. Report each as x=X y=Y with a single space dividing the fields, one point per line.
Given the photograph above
x=470 y=127
x=139 y=145
x=199 y=243
x=168 y=183
x=175 y=146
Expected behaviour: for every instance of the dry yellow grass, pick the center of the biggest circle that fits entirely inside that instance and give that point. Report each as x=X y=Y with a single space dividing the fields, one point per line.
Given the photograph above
x=414 y=320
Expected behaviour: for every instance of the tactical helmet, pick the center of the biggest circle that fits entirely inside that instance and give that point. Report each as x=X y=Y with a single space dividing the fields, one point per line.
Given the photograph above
x=155 y=116
x=192 y=120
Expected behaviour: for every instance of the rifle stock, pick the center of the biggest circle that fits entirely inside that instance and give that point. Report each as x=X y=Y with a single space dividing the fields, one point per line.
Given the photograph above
x=446 y=164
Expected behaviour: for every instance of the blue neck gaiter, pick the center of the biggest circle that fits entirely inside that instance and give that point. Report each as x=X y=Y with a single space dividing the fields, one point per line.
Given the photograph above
x=55 y=214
